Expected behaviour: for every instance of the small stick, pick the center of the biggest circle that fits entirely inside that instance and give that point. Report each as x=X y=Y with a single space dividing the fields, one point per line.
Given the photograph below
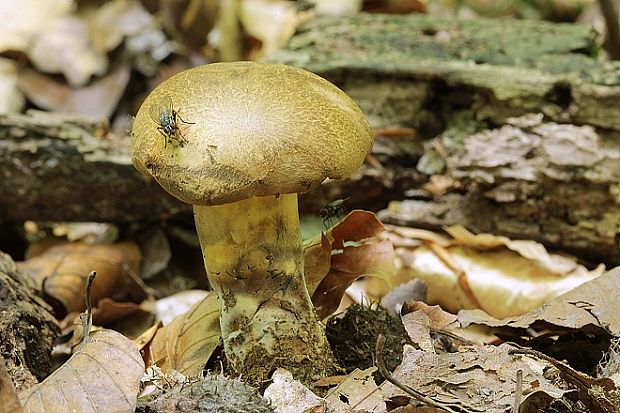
x=518 y=391
x=87 y=316
x=409 y=390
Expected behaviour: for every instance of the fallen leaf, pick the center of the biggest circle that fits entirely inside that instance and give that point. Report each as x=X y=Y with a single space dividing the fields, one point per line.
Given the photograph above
x=395 y=6
x=531 y=250
x=358 y=392
x=11 y=99
x=186 y=344
x=102 y=376
x=61 y=271
x=20 y=24
x=114 y=20
x=97 y=100
x=358 y=247
x=287 y=395
x=423 y=319
x=9 y=402
x=502 y=277
x=586 y=306
x=414 y=290
x=64 y=46
x=337 y=8
x=169 y=307
x=476 y=379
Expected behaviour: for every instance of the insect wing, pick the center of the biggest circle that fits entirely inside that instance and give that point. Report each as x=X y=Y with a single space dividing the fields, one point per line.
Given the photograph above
x=166 y=106
x=154 y=112
x=161 y=112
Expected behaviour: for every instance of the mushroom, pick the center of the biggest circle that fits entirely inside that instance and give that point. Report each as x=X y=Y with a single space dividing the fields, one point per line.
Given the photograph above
x=241 y=140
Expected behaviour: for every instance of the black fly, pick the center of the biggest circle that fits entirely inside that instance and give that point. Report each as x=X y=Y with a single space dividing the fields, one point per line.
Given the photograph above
x=166 y=117
x=334 y=209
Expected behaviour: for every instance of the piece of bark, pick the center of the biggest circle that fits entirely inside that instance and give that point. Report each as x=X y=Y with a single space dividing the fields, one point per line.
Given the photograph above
x=27 y=327
x=554 y=183
x=65 y=168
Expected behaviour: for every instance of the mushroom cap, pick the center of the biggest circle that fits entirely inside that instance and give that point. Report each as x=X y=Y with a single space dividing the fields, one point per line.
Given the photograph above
x=248 y=129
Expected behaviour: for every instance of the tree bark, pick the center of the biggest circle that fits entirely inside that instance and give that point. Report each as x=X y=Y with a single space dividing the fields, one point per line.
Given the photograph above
x=27 y=327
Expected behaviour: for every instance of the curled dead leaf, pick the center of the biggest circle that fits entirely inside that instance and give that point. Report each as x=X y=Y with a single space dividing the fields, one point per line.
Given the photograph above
x=61 y=271
x=63 y=46
x=357 y=246
x=186 y=344
x=587 y=306
x=102 y=376
x=96 y=100
x=501 y=276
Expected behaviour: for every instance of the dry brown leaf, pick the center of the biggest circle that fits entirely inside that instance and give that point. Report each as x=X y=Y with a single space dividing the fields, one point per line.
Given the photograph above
x=316 y=261
x=423 y=319
x=358 y=392
x=176 y=304
x=359 y=246
x=532 y=250
x=61 y=273
x=9 y=402
x=21 y=22
x=186 y=344
x=64 y=46
x=111 y=22
x=288 y=395
x=97 y=100
x=478 y=379
x=589 y=305
x=503 y=277
x=102 y=376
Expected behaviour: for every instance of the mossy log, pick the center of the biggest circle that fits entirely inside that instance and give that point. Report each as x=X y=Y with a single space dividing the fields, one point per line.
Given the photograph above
x=419 y=71
x=445 y=80
x=553 y=176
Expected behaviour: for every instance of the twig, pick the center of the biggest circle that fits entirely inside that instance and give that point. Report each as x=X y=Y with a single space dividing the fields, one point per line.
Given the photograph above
x=518 y=391
x=569 y=374
x=612 y=40
x=411 y=391
x=87 y=316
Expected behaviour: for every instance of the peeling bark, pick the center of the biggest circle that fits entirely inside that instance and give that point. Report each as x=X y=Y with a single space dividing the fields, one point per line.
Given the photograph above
x=27 y=328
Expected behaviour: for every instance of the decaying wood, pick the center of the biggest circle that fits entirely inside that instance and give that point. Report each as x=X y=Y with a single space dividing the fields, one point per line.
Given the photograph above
x=421 y=71
x=27 y=328
x=61 y=168
x=430 y=85
x=555 y=183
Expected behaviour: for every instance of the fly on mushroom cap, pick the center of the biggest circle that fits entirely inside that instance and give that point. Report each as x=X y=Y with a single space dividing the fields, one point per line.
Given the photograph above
x=258 y=129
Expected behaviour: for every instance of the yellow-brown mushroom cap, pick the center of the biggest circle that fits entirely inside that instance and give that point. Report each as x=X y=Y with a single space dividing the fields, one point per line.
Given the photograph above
x=256 y=129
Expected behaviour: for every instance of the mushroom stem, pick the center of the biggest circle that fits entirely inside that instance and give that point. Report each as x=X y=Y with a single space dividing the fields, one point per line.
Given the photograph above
x=253 y=255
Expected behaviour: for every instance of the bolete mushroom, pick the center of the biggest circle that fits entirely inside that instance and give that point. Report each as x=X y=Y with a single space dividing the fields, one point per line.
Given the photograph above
x=247 y=138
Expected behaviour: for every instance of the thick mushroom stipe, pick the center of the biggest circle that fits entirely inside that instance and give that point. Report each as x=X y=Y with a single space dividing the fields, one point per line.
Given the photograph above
x=254 y=260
